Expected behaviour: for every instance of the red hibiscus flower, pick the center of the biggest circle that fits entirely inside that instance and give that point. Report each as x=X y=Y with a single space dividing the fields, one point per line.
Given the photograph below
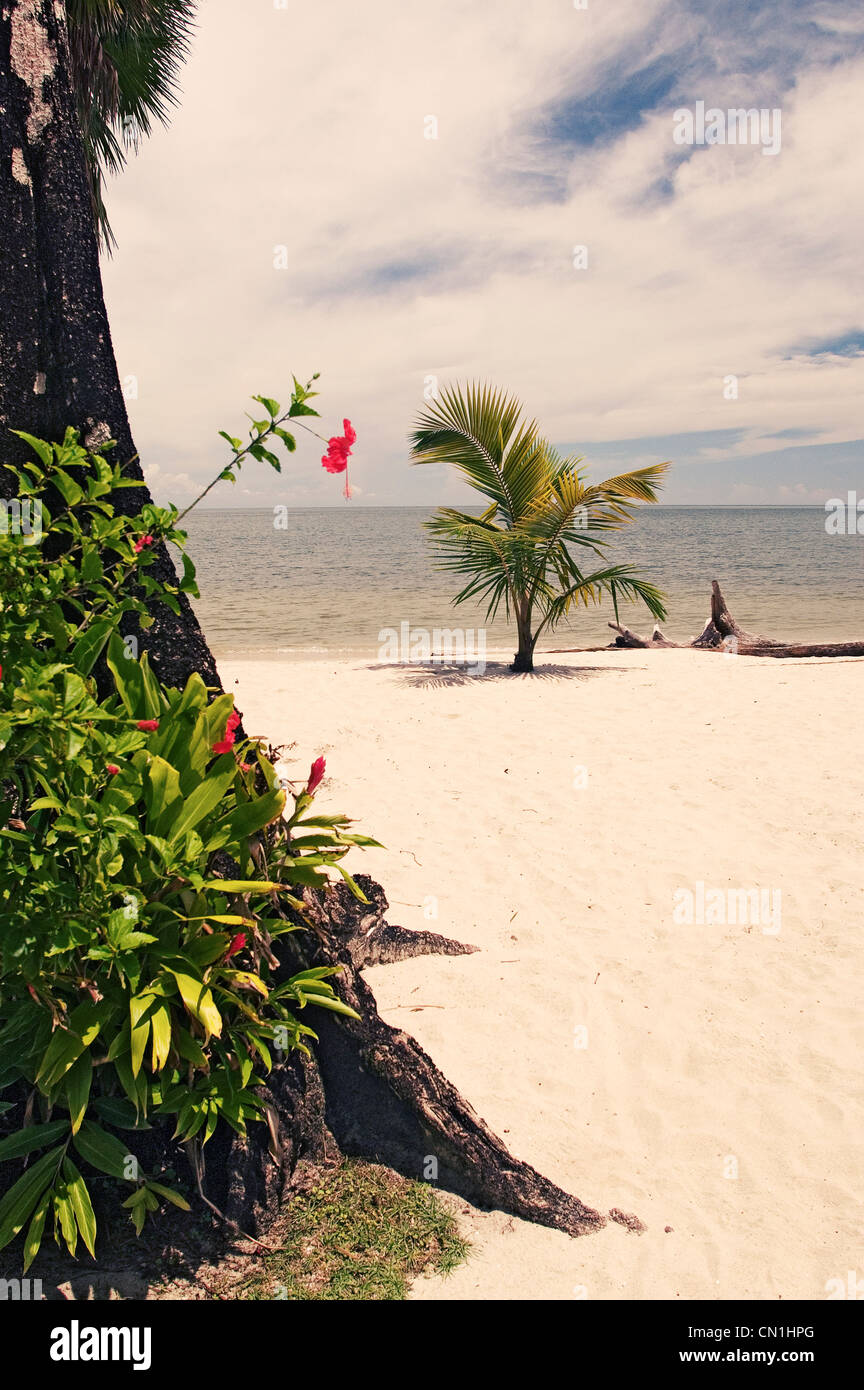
x=237 y=943
x=226 y=743
x=316 y=773
x=148 y=726
x=112 y=768
x=139 y=545
x=338 y=450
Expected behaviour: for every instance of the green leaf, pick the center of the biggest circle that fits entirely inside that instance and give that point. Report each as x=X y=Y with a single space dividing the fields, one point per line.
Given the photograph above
x=199 y=1001
x=135 y=683
x=38 y=445
x=37 y=1227
x=188 y=584
x=81 y=1204
x=161 y=793
x=191 y=1050
x=118 y=1113
x=240 y=885
x=136 y=1087
x=205 y=798
x=87 y=649
x=138 y=1007
x=19 y=1201
x=246 y=819
x=66 y=1212
x=160 y=1023
x=67 y=487
x=24 y=1141
x=103 y=1150
x=170 y=1195
x=333 y=1004
x=67 y=1045
x=77 y=1088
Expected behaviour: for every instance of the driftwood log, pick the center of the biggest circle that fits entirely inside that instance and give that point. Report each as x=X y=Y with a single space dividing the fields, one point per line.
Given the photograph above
x=722 y=633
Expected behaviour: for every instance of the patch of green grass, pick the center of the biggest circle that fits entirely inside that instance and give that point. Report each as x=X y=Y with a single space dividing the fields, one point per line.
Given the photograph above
x=359 y=1232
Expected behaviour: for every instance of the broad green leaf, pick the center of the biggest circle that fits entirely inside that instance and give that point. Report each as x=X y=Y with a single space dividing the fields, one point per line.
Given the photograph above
x=161 y=794
x=76 y=1085
x=103 y=1150
x=204 y=799
x=140 y=1031
x=66 y=1214
x=67 y=486
x=160 y=1023
x=19 y=1201
x=38 y=445
x=81 y=1204
x=118 y=1113
x=247 y=979
x=246 y=819
x=333 y=1004
x=35 y=1230
x=240 y=885
x=199 y=1001
x=67 y=1045
x=24 y=1141
x=134 y=682
x=86 y=651
x=170 y=1195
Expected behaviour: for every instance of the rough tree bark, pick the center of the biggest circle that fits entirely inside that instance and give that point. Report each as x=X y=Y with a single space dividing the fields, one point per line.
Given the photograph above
x=57 y=365
x=723 y=633
x=370 y=1087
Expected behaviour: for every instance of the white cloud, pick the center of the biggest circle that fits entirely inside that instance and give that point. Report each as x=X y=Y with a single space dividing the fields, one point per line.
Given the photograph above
x=305 y=129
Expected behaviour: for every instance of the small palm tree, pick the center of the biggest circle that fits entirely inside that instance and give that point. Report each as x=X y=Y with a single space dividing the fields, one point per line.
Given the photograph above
x=520 y=550
x=125 y=60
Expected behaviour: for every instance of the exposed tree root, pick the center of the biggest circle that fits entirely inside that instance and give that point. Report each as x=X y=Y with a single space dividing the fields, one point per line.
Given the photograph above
x=369 y=940
x=374 y=1092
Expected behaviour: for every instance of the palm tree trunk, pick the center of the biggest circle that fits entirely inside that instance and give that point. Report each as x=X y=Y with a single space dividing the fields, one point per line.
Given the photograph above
x=368 y=1084
x=524 y=658
x=57 y=364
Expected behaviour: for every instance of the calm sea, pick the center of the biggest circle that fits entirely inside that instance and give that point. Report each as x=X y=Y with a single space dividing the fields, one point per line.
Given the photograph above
x=334 y=578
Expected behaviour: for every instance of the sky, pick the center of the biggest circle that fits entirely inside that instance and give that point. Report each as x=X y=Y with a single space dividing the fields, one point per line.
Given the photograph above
x=401 y=193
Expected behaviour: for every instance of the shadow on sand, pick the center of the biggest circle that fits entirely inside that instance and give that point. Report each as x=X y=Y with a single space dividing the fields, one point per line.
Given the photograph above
x=426 y=675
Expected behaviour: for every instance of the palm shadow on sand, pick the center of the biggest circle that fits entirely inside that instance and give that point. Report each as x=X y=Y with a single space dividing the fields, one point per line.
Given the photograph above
x=425 y=675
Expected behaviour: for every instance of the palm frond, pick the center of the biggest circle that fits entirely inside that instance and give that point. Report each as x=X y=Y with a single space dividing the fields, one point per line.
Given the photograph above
x=522 y=551
x=126 y=57
x=616 y=580
x=479 y=431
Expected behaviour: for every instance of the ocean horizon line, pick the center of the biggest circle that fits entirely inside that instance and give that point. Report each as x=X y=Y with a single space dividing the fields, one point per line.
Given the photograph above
x=429 y=506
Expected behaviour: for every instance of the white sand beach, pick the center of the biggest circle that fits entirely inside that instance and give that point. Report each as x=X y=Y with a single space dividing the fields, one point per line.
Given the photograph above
x=715 y=1088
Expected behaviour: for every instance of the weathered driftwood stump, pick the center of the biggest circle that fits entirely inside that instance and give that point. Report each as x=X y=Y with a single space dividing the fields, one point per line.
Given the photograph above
x=722 y=633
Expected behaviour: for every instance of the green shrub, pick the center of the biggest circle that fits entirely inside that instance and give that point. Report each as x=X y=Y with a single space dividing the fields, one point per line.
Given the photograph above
x=138 y=982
